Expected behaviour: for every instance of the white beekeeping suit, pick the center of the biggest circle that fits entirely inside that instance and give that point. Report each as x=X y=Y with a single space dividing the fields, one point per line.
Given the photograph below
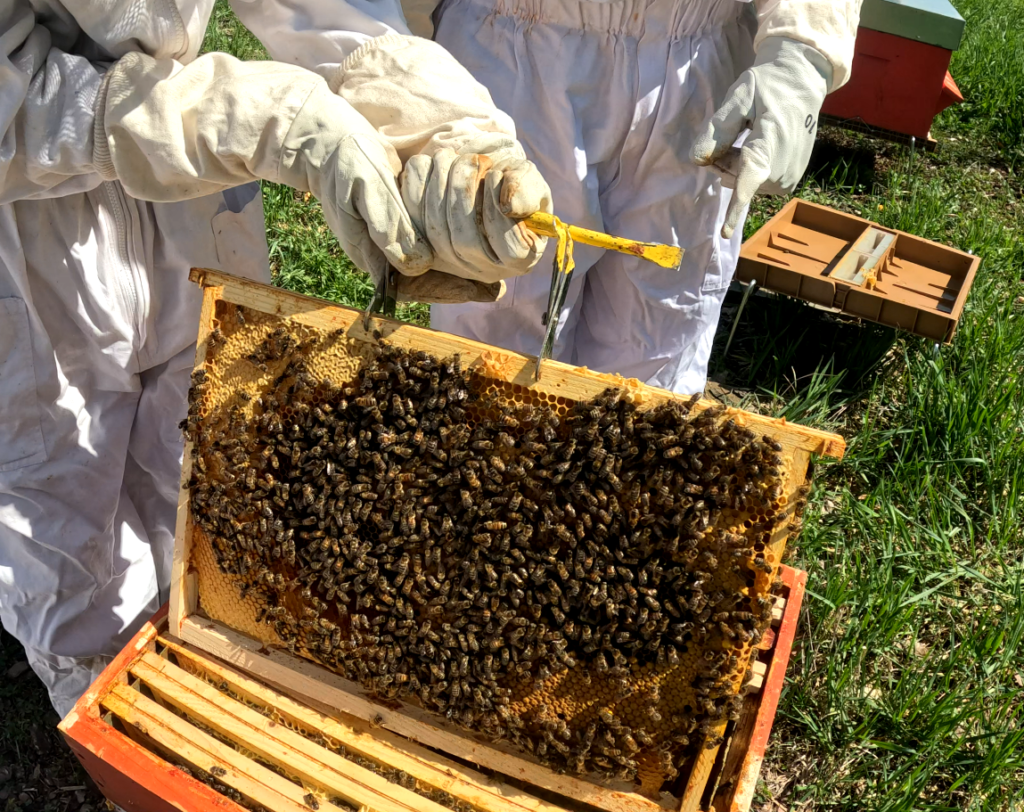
x=623 y=104
x=612 y=101
x=120 y=151
x=123 y=163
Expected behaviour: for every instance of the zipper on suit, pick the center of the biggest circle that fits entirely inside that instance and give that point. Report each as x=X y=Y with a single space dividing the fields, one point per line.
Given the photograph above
x=129 y=276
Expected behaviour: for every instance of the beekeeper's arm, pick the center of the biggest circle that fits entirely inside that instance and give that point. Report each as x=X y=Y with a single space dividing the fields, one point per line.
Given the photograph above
x=804 y=51
x=467 y=182
x=171 y=132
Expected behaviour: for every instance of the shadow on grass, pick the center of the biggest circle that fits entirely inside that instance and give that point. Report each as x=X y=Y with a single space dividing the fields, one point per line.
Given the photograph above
x=789 y=351
x=841 y=160
x=38 y=771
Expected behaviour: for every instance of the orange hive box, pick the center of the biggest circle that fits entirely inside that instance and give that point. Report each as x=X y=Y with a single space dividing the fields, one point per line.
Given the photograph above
x=168 y=727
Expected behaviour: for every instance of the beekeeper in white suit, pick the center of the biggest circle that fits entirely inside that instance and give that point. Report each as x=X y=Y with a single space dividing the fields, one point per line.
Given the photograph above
x=629 y=109
x=122 y=159
x=613 y=101
x=103 y=105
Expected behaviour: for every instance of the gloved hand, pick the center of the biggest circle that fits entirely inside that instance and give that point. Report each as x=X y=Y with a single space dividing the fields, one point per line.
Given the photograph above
x=172 y=132
x=466 y=182
x=778 y=100
x=469 y=203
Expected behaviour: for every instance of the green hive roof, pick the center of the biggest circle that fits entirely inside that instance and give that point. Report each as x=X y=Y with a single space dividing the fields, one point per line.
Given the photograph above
x=934 y=22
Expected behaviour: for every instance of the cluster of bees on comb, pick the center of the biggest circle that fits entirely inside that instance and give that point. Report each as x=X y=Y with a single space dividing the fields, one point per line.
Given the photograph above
x=585 y=582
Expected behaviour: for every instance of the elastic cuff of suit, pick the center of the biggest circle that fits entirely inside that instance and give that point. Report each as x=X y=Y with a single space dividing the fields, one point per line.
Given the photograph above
x=359 y=53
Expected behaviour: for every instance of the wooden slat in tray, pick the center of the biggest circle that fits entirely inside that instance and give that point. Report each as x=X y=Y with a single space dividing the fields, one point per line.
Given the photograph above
x=372 y=742
x=152 y=722
x=274 y=743
x=308 y=681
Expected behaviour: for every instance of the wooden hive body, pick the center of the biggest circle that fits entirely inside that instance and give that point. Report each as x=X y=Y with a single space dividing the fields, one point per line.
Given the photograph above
x=169 y=727
x=209 y=611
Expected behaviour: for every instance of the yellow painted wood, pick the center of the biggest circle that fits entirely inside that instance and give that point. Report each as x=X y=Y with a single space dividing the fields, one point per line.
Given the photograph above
x=358 y=736
x=667 y=256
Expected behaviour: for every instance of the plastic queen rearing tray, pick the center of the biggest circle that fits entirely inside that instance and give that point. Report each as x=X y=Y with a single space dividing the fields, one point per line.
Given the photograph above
x=837 y=260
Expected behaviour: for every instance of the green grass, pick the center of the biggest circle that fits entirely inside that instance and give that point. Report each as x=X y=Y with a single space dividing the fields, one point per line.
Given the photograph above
x=989 y=68
x=906 y=688
x=906 y=691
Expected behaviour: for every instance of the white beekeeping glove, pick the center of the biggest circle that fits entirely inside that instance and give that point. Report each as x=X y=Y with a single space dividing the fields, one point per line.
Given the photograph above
x=171 y=132
x=435 y=287
x=778 y=100
x=467 y=182
x=470 y=202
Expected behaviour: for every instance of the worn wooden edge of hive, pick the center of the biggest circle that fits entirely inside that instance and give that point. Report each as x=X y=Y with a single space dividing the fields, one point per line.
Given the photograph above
x=572 y=383
x=701 y=770
x=709 y=754
x=376 y=744
x=304 y=680
x=274 y=743
x=753 y=757
x=133 y=776
x=87 y=706
x=728 y=775
x=184 y=586
x=713 y=758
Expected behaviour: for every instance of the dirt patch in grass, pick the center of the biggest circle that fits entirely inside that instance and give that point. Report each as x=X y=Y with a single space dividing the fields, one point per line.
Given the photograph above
x=38 y=771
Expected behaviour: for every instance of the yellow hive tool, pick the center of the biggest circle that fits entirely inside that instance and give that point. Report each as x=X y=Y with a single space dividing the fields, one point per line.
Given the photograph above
x=666 y=256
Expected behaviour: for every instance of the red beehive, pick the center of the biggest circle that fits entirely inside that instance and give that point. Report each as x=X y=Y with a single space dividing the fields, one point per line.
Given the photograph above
x=900 y=79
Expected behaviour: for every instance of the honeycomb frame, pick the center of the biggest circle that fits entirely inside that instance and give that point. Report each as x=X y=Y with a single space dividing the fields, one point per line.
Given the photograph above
x=561 y=385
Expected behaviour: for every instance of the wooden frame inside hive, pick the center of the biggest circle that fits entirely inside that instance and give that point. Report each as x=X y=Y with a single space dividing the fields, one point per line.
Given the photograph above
x=206 y=607
x=168 y=727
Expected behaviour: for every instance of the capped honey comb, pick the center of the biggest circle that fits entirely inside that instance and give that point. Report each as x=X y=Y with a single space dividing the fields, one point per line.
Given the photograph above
x=583 y=579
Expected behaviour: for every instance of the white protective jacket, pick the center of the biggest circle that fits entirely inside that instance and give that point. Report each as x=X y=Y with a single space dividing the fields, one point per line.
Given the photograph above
x=612 y=101
x=97 y=317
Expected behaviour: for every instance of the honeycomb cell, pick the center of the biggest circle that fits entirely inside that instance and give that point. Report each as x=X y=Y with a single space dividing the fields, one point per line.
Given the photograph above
x=533 y=568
